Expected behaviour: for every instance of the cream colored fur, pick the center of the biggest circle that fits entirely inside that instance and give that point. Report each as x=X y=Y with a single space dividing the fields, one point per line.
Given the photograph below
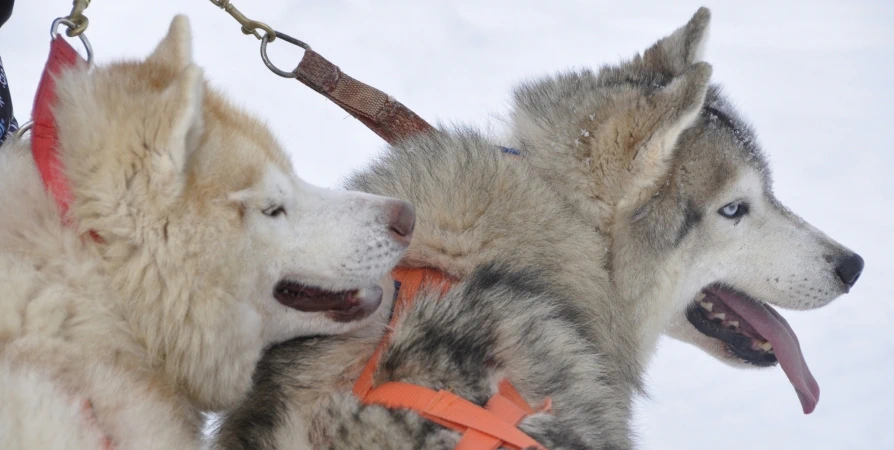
x=167 y=315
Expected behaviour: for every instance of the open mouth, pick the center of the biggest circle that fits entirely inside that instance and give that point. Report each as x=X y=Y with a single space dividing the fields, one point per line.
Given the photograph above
x=754 y=332
x=340 y=306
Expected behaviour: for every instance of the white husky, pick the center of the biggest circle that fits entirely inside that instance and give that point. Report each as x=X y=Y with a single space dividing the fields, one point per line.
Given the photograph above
x=210 y=249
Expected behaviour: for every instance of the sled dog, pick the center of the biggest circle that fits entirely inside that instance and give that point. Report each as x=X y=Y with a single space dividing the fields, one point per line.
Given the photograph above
x=640 y=199
x=206 y=248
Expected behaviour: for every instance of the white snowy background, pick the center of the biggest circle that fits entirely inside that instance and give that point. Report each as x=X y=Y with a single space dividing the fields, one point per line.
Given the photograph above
x=814 y=77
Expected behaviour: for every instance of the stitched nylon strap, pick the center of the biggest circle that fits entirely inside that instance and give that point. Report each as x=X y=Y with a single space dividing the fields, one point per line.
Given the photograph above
x=384 y=115
x=44 y=138
x=482 y=428
x=510 y=407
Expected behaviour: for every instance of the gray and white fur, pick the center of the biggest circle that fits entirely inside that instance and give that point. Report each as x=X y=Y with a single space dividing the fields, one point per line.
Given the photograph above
x=535 y=305
x=574 y=259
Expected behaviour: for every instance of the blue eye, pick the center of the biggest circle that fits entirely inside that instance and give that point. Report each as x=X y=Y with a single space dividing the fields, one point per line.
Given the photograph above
x=734 y=210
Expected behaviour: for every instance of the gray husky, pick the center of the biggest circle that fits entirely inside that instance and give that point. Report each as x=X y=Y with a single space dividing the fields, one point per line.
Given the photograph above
x=640 y=205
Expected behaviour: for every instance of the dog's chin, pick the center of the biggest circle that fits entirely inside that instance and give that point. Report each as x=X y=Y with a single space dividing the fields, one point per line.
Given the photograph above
x=684 y=331
x=344 y=306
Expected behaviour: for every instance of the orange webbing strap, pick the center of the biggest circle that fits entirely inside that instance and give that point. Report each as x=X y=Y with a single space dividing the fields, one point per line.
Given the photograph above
x=480 y=437
x=508 y=405
x=483 y=429
x=411 y=280
x=507 y=391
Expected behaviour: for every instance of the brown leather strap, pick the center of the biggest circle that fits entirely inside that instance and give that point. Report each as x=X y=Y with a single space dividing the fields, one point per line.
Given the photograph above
x=384 y=115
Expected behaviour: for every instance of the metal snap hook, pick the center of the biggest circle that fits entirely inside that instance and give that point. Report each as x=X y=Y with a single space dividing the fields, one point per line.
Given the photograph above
x=248 y=26
x=71 y=26
x=78 y=18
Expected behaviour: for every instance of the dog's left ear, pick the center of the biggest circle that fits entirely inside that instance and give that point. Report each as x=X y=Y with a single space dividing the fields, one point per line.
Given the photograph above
x=180 y=133
x=682 y=48
x=175 y=50
x=654 y=124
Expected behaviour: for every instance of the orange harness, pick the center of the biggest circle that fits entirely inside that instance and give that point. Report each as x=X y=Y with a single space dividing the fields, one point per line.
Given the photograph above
x=482 y=428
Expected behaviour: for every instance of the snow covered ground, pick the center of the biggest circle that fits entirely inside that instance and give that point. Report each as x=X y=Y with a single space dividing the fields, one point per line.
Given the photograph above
x=814 y=77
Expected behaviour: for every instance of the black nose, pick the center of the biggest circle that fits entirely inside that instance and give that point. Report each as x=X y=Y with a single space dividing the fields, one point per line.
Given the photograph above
x=849 y=269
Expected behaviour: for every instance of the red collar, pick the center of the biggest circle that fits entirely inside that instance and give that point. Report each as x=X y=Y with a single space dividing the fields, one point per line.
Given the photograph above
x=44 y=135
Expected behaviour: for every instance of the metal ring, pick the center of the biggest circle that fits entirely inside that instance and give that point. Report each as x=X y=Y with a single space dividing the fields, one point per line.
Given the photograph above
x=22 y=129
x=83 y=37
x=266 y=59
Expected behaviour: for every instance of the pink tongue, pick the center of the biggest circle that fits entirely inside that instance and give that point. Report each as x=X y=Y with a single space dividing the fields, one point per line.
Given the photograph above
x=772 y=326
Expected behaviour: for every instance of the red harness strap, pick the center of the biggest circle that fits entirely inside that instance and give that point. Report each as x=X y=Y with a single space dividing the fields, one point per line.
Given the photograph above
x=44 y=138
x=483 y=428
x=93 y=421
x=45 y=151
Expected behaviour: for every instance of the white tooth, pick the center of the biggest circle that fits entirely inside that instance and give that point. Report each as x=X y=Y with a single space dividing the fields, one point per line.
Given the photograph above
x=700 y=296
x=720 y=316
x=706 y=305
x=734 y=323
x=766 y=346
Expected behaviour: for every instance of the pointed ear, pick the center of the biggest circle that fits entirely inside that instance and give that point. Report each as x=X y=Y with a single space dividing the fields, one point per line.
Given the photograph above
x=657 y=123
x=175 y=50
x=682 y=48
x=180 y=127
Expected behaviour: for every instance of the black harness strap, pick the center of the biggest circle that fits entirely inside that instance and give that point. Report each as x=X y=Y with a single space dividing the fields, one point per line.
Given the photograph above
x=7 y=119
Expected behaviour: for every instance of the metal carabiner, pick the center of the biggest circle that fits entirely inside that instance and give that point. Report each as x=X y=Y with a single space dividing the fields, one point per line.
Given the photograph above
x=248 y=26
x=77 y=17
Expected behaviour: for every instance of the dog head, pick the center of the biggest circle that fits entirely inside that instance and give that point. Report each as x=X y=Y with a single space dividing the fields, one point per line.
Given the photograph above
x=664 y=165
x=213 y=246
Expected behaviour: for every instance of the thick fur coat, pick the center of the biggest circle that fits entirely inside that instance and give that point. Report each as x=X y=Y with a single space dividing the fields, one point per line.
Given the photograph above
x=640 y=202
x=537 y=301
x=209 y=248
